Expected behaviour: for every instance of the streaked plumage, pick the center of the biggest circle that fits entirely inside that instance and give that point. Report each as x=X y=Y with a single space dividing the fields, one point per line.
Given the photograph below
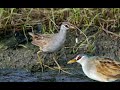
x=99 y=68
x=51 y=42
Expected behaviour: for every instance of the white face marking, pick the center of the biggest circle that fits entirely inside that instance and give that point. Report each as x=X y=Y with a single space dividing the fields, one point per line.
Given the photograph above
x=64 y=27
x=81 y=58
x=78 y=57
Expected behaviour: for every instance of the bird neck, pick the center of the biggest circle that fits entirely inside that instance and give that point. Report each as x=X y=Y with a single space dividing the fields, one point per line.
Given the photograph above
x=62 y=32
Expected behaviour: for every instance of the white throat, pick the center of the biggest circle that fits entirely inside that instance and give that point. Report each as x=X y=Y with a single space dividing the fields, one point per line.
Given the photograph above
x=63 y=29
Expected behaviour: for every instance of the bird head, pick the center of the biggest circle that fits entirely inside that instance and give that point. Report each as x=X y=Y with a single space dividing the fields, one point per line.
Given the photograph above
x=78 y=59
x=67 y=25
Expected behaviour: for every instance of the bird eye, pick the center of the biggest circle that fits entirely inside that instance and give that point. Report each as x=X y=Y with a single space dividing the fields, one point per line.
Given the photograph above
x=78 y=57
x=66 y=26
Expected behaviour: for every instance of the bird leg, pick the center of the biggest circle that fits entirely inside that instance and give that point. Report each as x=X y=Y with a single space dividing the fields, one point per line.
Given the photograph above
x=63 y=54
x=59 y=67
x=43 y=65
x=40 y=61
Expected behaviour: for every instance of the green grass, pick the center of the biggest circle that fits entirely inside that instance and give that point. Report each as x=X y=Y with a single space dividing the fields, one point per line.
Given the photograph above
x=84 y=18
x=51 y=17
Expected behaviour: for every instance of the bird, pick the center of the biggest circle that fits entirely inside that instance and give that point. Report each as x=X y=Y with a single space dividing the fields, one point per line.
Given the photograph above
x=50 y=43
x=98 y=68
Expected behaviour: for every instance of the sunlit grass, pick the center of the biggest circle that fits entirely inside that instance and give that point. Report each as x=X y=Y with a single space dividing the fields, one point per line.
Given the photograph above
x=83 y=18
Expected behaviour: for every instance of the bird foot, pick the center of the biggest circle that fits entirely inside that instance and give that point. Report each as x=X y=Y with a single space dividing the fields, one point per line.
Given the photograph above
x=42 y=66
x=62 y=69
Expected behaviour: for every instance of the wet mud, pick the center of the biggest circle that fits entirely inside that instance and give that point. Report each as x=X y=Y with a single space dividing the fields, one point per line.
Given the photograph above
x=18 y=62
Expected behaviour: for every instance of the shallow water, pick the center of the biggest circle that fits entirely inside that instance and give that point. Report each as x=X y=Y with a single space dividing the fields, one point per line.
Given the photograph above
x=16 y=62
x=14 y=75
x=19 y=75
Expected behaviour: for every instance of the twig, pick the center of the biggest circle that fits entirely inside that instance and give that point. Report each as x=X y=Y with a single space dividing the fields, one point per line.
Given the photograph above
x=111 y=32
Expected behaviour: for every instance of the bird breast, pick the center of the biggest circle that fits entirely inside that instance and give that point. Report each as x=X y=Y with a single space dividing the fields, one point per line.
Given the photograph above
x=90 y=70
x=55 y=44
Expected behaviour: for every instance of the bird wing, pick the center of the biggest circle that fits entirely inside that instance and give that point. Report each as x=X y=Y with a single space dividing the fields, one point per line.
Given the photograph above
x=107 y=67
x=43 y=36
x=42 y=39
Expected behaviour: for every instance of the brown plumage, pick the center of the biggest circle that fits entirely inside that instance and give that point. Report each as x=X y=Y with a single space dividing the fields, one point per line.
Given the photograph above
x=99 y=68
x=108 y=68
x=51 y=42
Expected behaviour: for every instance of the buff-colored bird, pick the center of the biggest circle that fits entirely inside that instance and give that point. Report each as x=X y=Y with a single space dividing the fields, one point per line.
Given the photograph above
x=98 y=68
x=51 y=42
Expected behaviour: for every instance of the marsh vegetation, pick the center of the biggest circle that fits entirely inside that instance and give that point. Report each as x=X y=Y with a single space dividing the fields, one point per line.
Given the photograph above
x=98 y=34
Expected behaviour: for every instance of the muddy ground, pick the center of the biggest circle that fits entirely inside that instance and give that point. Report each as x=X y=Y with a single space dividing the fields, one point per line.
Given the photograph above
x=18 y=62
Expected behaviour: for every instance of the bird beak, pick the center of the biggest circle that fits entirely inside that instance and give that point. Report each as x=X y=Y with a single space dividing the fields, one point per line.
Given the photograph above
x=72 y=27
x=71 y=61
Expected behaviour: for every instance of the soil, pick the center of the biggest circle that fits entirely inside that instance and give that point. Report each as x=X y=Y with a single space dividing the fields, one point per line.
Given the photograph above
x=18 y=61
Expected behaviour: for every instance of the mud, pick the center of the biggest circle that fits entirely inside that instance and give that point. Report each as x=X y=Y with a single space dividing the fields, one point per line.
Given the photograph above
x=18 y=62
